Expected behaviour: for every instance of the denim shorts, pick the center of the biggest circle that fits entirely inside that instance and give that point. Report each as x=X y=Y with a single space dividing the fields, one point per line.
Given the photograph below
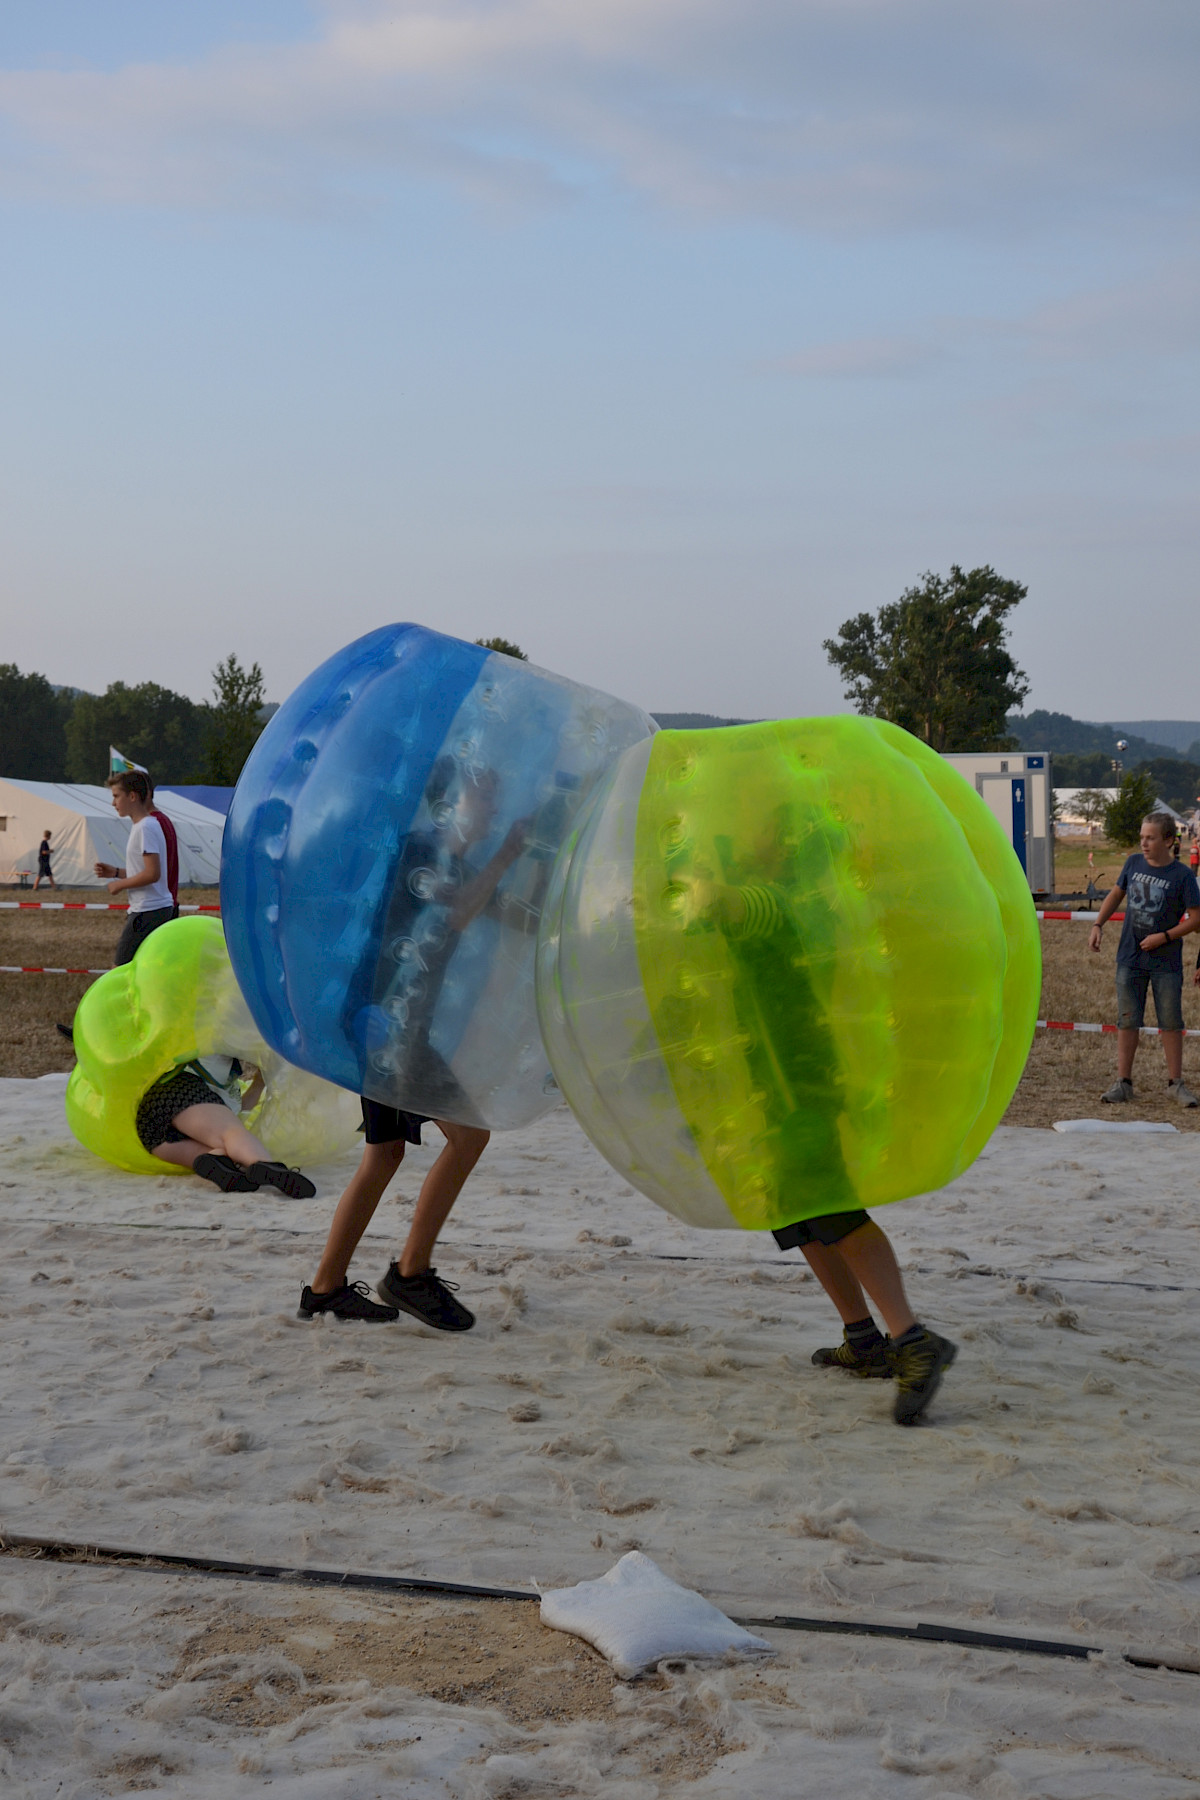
x=1131 y=997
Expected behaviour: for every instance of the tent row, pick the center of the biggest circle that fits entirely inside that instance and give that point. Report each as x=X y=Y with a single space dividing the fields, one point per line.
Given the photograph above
x=85 y=830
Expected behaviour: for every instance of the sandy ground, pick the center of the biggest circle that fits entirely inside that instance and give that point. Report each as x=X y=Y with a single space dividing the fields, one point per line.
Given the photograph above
x=630 y=1384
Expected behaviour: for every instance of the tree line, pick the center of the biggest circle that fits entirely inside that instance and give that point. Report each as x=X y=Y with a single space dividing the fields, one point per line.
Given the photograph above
x=937 y=662
x=49 y=734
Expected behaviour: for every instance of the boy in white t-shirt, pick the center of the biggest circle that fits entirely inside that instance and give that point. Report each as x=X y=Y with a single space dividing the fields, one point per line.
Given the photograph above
x=144 y=877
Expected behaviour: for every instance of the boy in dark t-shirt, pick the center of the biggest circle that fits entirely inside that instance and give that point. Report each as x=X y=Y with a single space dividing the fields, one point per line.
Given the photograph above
x=1162 y=905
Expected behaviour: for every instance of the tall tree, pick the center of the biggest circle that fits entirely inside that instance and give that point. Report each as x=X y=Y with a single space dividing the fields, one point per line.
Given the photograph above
x=936 y=660
x=33 y=723
x=504 y=645
x=234 y=720
x=161 y=730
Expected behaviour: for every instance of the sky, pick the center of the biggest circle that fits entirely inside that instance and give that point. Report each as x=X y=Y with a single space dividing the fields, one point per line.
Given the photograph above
x=660 y=336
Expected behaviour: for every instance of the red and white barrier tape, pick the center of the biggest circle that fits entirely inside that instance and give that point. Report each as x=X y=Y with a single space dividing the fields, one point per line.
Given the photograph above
x=1064 y=1025
x=85 y=906
x=18 y=969
x=1080 y=918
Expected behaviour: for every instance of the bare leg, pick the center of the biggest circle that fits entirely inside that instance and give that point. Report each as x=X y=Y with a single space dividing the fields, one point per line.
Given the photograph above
x=354 y=1212
x=1127 y=1043
x=1172 y=1043
x=871 y=1262
x=465 y=1144
x=831 y=1270
x=209 y=1129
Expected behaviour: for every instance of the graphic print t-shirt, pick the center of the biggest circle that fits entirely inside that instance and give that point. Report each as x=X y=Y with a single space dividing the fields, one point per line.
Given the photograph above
x=1155 y=900
x=146 y=837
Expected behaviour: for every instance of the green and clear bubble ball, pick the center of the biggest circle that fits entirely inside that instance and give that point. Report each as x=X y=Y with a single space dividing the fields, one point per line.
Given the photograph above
x=787 y=969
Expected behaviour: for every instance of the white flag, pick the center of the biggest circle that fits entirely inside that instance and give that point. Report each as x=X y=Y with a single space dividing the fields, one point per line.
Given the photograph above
x=121 y=765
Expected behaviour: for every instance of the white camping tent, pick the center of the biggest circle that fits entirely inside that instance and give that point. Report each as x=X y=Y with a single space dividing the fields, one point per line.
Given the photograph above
x=85 y=830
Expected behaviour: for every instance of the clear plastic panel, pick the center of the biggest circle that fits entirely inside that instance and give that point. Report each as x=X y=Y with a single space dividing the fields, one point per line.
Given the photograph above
x=386 y=862
x=595 y=1018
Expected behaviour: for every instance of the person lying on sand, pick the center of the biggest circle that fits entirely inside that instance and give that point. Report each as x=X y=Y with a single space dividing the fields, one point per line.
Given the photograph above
x=184 y=1119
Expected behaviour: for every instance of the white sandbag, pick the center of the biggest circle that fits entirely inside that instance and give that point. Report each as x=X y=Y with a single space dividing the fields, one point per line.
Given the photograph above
x=635 y=1615
x=1111 y=1125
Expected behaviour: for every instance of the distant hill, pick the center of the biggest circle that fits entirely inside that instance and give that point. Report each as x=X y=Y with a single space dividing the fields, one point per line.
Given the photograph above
x=1060 y=733
x=1180 y=735
x=695 y=721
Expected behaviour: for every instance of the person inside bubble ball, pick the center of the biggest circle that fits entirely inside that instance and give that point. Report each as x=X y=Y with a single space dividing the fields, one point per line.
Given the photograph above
x=792 y=1052
x=191 y=1117
x=437 y=895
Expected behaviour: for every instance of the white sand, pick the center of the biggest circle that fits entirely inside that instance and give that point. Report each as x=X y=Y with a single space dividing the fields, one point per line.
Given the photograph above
x=630 y=1384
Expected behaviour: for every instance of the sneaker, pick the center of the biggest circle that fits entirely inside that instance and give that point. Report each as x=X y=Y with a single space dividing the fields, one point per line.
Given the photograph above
x=1119 y=1093
x=919 y=1367
x=224 y=1173
x=878 y=1363
x=351 y=1301
x=426 y=1297
x=277 y=1175
x=1179 y=1090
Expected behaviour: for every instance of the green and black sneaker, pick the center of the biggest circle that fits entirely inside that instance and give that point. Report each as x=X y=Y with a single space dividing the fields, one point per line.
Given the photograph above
x=876 y=1363
x=920 y=1359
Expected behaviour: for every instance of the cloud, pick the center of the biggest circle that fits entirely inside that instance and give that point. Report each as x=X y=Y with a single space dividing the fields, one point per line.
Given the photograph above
x=842 y=116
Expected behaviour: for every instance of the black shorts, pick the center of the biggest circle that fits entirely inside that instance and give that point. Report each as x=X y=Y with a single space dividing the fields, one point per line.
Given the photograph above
x=828 y=1230
x=159 y=1105
x=386 y=1124
x=136 y=930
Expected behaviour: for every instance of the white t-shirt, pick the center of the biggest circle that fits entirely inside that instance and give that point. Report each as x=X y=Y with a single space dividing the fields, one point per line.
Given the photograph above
x=147 y=836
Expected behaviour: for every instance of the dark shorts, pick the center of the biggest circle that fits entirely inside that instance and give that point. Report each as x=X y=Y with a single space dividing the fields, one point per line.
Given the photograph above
x=1132 y=985
x=830 y=1229
x=387 y=1124
x=137 y=929
x=158 y=1107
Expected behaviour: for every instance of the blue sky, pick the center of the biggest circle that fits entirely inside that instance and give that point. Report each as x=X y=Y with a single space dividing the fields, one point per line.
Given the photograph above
x=659 y=335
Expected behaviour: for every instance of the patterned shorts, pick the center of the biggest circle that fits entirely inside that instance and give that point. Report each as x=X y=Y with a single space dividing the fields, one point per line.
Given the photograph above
x=158 y=1107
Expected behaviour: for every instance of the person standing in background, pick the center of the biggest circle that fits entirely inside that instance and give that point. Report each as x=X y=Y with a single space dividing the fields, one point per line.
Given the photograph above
x=144 y=877
x=1162 y=905
x=44 y=871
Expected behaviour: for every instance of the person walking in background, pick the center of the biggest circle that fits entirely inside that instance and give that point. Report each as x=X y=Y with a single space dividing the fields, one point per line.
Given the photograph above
x=44 y=871
x=1162 y=905
x=144 y=877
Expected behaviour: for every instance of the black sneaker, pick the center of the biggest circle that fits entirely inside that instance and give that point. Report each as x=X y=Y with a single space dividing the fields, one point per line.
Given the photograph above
x=919 y=1366
x=351 y=1301
x=426 y=1297
x=277 y=1175
x=224 y=1173
x=878 y=1363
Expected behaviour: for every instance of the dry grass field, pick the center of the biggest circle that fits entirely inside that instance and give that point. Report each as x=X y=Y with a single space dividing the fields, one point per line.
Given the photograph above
x=1064 y=1078
x=1072 y=871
